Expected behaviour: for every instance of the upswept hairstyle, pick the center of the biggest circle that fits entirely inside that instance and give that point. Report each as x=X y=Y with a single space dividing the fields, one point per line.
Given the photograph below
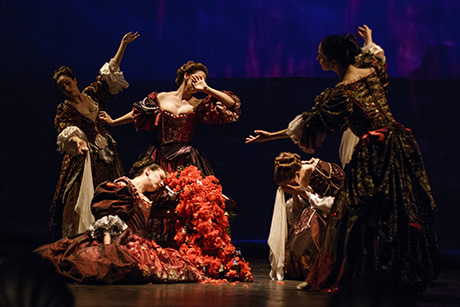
x=64 y=71
x=342 y=48
x=138 y=167
x=190 y=67
x=286 y=166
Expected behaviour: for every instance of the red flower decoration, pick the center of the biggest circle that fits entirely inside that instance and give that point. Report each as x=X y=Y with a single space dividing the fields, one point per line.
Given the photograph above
x=201 y=231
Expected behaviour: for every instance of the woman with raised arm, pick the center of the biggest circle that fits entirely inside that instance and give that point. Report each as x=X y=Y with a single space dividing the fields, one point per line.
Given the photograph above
x=173 y=116
x=384 y=213
x=90 y=154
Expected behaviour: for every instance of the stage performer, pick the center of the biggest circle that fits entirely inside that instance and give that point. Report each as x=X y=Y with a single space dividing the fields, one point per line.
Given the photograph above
x=172 y=116
x=90 y=154
x=299 y=224
x=115 y=248
x=380 y=229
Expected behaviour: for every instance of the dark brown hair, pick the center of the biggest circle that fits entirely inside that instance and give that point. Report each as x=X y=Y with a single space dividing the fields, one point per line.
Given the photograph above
x=286 y=166
x=64 y=71
x=342 y=48
x=190 y=67
x=139 y=166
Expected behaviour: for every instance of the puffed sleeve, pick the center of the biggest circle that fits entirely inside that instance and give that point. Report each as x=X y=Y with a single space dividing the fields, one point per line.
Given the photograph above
x=212 y=111
x=330 y=113
x=147 y=113
x=372 y=55
x=109 y=82
x=112 y=199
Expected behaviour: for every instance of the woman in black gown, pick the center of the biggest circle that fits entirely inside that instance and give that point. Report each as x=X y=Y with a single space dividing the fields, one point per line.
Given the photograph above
x=381 y=224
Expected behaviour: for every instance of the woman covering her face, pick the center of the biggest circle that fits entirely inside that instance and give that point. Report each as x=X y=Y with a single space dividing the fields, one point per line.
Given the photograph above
x=312 y=186
x=172 y=117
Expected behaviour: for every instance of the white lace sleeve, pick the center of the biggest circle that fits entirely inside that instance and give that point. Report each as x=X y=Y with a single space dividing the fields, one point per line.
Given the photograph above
x=295 y=130
x=374 y=49
x=65 y=145
x=110 y=224
x=347 y=146
x=114 y=77
x=323 y=204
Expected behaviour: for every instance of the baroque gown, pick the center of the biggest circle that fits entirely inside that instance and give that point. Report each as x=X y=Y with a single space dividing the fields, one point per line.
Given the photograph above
x=381 y=224
x=130 y=257
x=296 y=255
x=174 y=133
x=80 y=174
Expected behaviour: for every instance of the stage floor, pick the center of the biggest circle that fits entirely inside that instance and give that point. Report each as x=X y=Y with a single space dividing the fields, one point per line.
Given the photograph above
x=262 y=292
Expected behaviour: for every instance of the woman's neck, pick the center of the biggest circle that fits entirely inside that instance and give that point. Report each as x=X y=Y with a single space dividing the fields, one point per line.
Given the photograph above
x=344 y=73
x=137 y=181
x=182 y=93
x=78 y=99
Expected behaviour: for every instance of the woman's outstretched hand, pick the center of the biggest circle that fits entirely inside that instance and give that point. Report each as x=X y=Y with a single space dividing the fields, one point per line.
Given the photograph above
x=366 y=33
x=258 y=137
x=130 y=37
x=82 y=147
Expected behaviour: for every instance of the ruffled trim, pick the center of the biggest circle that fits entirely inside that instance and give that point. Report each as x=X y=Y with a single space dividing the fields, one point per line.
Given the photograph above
x=65 y=145
x=375 y=50
x=212 y=111
x=347 y=146
x=110 y=224
x=295 y=131
x=114 y=77
x=147 y=113
x=357 y=78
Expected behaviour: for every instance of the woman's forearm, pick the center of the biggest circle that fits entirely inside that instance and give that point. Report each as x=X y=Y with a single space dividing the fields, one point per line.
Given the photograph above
x=278 y=135
x=220 y=96
x=122 y=120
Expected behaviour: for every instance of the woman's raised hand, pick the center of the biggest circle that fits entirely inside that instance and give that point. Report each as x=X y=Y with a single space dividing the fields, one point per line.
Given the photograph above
x=130 y=37
x=199 y=83
x=366 y=33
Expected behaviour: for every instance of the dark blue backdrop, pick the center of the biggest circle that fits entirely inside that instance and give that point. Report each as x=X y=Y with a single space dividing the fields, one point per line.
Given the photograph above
x=263 y=50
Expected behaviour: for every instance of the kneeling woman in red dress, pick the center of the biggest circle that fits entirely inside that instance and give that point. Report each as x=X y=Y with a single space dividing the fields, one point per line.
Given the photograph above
x=116 y=247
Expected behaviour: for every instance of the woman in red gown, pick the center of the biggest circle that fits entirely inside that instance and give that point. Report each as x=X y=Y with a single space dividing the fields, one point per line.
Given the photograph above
x=115 y=248
x=174 y=115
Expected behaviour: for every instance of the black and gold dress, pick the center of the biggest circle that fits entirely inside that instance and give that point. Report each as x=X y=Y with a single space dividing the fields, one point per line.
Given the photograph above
x=381 y=223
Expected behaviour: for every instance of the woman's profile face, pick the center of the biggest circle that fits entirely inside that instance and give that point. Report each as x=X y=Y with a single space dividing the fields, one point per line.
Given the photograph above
x=68 y=86
x=155 y=179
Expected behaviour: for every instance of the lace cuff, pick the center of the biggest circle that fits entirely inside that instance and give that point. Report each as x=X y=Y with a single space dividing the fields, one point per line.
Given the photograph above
x=323 y=204
x=114 y=77
x=295 y=131
x=65 y=145
x=347 y=146
x=110 y=224
x=374 y=49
